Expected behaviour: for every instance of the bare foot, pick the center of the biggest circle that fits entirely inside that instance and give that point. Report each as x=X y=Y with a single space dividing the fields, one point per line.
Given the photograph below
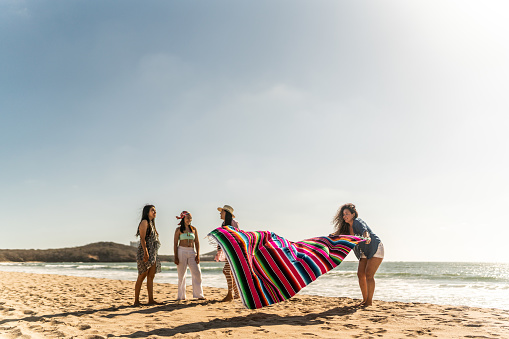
x=228 y=298
x=153 y=302
x=202 y=298
x=136 y=304
x=361 y=304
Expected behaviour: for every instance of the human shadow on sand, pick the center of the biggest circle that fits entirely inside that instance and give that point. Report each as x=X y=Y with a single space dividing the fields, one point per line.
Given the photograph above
x=168 y=306
x=251 y=320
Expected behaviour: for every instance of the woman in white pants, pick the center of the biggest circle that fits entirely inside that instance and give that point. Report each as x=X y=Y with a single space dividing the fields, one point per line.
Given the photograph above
x=185 y=241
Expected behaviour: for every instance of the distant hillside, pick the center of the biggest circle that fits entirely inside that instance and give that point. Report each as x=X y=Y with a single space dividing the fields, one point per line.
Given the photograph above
x=96 y=252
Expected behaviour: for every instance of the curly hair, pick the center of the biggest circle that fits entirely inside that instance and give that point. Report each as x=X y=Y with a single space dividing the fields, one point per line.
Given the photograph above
x=340 y=226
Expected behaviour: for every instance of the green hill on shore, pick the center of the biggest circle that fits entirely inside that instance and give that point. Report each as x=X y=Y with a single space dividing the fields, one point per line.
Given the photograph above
x=96 y=252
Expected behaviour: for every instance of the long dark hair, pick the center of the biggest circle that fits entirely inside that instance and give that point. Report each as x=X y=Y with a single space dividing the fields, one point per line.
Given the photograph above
x=340 y=226
x=183 y=225
x=227 y=218
x=144 y=216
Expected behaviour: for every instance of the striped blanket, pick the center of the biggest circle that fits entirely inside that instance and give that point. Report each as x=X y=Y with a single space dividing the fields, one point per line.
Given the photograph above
x=269 y=269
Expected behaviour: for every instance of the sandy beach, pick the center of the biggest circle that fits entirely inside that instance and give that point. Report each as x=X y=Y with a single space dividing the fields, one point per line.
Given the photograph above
x=54 y=306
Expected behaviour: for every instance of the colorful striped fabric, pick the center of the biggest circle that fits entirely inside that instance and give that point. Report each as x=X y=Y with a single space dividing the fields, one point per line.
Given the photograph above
x=269 y=269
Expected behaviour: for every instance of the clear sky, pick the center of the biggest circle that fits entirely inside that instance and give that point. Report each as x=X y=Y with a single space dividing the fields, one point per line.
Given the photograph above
x=283 y=109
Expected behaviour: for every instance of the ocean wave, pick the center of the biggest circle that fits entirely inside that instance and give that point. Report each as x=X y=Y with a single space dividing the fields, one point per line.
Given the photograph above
x=445 y=276
x=203 y=268
x=210 y=268
x=91 y=267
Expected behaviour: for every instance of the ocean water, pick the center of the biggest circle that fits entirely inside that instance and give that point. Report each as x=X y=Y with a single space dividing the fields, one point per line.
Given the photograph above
x=461 y=284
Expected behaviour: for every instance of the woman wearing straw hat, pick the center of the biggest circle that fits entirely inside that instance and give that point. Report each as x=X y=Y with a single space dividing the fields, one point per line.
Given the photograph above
x=227 y=215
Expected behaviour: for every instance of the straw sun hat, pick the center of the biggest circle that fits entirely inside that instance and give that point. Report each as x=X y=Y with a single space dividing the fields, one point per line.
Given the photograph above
x=226 y=208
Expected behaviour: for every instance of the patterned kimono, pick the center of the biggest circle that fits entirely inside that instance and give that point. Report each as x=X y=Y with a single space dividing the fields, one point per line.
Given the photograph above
x=153 y=244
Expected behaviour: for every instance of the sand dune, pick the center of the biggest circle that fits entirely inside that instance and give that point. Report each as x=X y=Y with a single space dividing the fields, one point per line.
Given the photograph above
x=53 y=306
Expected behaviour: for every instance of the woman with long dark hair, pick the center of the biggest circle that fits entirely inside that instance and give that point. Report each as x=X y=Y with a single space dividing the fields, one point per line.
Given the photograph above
x=226 y=214
x=185 y=240
x=370 y=252
x=147 y=256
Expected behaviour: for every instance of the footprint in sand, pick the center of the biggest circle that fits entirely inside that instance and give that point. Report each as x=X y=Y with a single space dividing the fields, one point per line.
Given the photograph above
x=326 y=328
x=18 y=334
x=58 y=333
x=351 y=326
x=453 y=309
x=379 y=319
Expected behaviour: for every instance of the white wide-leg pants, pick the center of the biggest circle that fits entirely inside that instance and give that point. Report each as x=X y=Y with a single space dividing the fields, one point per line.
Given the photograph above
x=187 y=257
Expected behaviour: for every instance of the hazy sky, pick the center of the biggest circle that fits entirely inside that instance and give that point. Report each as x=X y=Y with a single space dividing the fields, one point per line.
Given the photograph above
x=283 y=109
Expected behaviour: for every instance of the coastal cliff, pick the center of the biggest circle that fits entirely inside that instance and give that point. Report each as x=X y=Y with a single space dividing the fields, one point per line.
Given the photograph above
x=96 y=252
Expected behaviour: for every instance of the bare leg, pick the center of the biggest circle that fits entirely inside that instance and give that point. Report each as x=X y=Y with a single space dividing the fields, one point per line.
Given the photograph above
x=150 y=284
x=361 y=274
x=234 y=286
x=371 y=268
x=228 y=274
x=137 y=288
x=236 y=294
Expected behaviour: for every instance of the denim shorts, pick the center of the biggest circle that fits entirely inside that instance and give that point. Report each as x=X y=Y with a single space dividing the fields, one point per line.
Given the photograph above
x=379 y=252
